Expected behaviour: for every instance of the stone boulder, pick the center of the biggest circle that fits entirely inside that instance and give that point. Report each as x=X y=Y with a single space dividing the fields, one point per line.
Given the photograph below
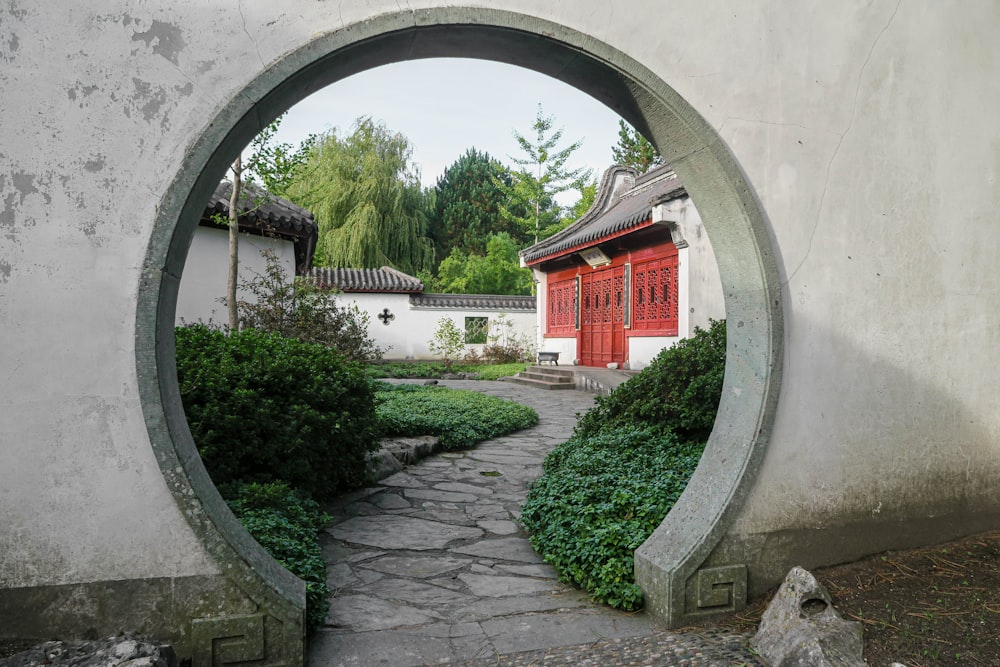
x=117 y=651
x=800 y=628
x=395 y=453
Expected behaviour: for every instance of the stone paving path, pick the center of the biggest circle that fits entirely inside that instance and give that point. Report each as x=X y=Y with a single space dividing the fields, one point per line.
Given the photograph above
x=431 y=567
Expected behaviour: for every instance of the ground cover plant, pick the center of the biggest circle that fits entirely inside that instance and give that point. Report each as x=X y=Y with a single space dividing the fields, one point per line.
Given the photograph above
x=436 y=370
x=286 y=525
x=601 y=496
x=460 y=419
x=605 y=490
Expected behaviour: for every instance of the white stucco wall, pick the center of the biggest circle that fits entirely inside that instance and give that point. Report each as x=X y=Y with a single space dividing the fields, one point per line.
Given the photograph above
x=866 y=132
x=206 y=272
x=408 y=334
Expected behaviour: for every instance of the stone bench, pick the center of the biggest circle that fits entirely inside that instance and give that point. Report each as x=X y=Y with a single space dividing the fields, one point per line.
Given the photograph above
x=552 y=357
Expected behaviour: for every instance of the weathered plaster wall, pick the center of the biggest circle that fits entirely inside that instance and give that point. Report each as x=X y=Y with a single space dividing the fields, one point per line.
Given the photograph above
x=206 y=272
x=409 y=333
x=866 y=132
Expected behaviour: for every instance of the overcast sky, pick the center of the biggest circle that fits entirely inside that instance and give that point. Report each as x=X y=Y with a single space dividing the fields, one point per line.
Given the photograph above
x=447 y=105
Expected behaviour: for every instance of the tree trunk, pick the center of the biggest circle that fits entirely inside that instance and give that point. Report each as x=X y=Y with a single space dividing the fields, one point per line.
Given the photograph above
x=234 y=241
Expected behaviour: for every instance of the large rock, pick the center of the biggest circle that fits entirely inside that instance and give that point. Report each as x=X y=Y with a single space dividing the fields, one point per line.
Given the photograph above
x=800 y=628
x=120 y=651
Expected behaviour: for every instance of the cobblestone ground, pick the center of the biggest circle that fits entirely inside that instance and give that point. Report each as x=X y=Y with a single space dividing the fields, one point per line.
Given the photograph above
x=431 y=567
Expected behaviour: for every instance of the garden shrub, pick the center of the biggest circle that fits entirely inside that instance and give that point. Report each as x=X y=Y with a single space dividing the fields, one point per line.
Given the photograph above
x=497 y=371
x=504 y=345
x=448 y=341
x=296 y=308
x=679 y=390
x=287 y=526
x=601 y=496
x=460 y=419
x=263 y=408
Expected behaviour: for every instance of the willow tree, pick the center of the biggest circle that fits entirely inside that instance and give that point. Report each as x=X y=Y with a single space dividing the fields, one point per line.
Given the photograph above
x=365 y=195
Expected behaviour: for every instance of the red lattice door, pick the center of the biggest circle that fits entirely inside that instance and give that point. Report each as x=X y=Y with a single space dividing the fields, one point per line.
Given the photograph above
x=602 y=327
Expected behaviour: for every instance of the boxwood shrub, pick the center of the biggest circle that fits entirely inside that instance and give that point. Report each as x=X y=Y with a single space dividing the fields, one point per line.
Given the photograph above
x=460 y=419
x=287 y=525
x=263 y=408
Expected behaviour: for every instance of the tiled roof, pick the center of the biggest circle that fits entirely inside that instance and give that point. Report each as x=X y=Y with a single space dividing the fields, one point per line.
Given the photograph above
x=473 y=302
x=264 y=211
x=613 y=211
x=386 y=280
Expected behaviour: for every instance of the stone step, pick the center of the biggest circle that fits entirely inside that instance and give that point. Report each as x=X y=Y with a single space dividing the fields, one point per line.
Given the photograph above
x=554 y=370
x=547 y=376
x=539 y=384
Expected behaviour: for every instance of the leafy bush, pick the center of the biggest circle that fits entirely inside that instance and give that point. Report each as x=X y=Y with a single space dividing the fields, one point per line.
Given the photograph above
x=497 y=371
x=296 y=308
x=606 y=490
x=504 y=345
x=448 y=341
x=599 y=499
x=263 y=408
x=678 y=391
x=287 y=526
x=460 y=419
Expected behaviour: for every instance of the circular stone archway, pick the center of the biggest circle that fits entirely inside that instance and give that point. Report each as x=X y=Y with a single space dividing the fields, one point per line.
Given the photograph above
x=668 y=565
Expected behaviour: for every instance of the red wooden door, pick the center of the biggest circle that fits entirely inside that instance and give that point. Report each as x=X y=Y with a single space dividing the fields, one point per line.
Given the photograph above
x=602 y=329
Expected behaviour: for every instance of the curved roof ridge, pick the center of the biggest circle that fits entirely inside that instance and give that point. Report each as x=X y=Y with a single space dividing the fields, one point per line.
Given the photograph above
x=618 y=211
x=385 y=280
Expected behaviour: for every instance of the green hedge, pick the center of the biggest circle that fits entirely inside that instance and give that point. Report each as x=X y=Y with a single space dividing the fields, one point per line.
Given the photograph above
x=286 y=525
x=263 y=408
x=460 y=419
x=679 y=391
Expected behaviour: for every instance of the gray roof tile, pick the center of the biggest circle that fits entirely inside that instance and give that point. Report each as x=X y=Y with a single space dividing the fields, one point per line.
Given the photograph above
x=473 y=302
x=612 y=213
x=385 y=280
x=262 y=210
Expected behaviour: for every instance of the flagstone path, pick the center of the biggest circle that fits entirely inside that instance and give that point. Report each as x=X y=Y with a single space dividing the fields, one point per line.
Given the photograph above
x=431 y=567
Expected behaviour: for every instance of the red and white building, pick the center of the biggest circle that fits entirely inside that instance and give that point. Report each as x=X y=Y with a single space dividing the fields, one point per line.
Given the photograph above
x=635 y=274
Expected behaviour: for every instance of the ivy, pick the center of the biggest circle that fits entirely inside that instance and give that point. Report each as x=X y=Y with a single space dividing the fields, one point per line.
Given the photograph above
x=604 y=491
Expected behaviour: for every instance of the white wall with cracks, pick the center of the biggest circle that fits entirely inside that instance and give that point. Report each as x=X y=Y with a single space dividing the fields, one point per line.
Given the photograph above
x=866 y=133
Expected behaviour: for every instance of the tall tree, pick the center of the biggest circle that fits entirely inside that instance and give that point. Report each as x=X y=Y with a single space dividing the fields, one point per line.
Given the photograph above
x=542 y=175
x=275 y=165
x=634 y=150
x=498 y=271
x=366 y=197
x=469 y=203
x=573 y=213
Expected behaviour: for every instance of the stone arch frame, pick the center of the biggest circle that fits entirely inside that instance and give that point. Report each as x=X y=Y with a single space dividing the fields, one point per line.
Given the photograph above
x=668 y=565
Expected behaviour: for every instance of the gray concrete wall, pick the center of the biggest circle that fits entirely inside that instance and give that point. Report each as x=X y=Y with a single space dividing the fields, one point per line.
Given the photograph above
x=843 y=157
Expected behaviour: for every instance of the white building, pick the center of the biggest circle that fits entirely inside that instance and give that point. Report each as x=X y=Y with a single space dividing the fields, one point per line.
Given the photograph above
x=402 y=319
x=266 y=223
